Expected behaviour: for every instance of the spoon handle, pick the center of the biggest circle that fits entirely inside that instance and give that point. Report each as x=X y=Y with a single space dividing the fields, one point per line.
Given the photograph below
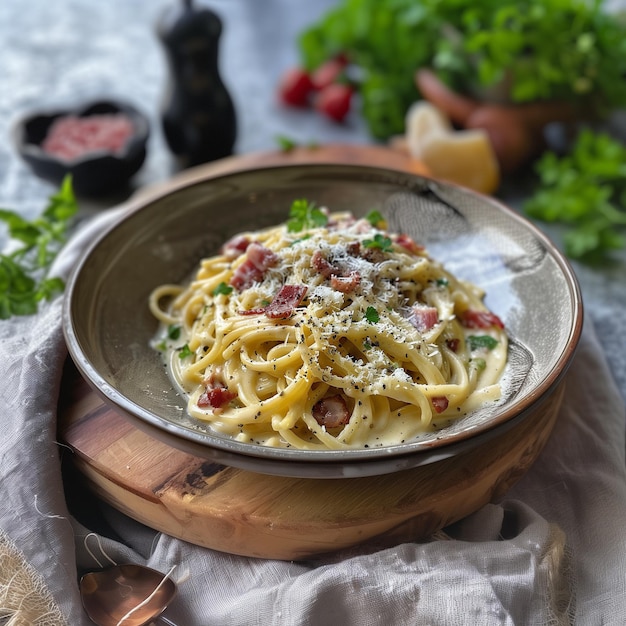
x=164 y=621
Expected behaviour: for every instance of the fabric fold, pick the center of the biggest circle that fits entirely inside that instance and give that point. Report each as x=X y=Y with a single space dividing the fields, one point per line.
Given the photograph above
x=553 y=551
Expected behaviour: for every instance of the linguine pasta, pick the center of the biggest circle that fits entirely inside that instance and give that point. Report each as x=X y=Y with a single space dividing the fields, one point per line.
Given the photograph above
x=327 y=332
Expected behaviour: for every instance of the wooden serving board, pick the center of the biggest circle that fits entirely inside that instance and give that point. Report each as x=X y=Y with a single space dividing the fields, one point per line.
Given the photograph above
x=257 y=515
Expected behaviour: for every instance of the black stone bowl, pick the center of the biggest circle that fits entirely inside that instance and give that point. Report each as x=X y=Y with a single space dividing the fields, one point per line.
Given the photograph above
x=97 y=173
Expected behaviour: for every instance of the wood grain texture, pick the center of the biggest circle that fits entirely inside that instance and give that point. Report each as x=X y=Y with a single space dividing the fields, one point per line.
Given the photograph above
x=257 y=515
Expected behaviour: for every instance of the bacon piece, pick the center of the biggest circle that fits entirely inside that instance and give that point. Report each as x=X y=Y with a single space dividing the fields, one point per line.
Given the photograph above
x=346 y=284
x=440 y=403
x=331 y=412
x=339 y=280
x=235 y=247
x=480 y=319
x=215 y=397
x=353 y=248
x=246 y=275
x=373 y=255
x=285 y=301
x=215 y=393
x=408 y=243
x=258 y=260
x=424 y=317
x=321 y=264
x=453 y=344
x=261 y=257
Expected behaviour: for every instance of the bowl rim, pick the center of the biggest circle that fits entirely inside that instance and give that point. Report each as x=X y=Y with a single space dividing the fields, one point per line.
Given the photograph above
x=292 y=462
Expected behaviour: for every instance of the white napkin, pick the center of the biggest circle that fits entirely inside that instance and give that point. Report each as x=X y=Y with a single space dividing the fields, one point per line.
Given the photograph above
x=554 y=551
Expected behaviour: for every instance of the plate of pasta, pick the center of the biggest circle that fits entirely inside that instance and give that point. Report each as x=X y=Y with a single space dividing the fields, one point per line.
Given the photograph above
x=322 y=320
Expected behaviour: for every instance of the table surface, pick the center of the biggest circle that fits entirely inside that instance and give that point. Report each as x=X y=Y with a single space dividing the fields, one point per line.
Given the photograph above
x=69 y=51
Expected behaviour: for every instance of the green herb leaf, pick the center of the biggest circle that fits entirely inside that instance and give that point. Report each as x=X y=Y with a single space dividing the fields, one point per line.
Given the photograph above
x=24 y=279
x=173 y=332
x=476 y=44
x=479 y=364
x=285 y=143
x=379 y=241
x=485 y=342
x=371 y=315
x=304 y=215
x=184 y=352
x=586 y=192
x=375 y=218
x=222 y=289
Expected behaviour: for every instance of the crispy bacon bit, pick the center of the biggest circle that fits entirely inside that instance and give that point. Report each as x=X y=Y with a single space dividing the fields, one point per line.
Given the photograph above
x=480 y=319
x=215 y=394
x=261 y=257
x=283 y=304
x=235 y=247
x=424 y=317
x=285 y=301
x=373 y=255
x=259 y=260
x=453 y=344
x=321 y=264
x=331 y=412
x=353 y=248
x=339 y=280
x=215 y=398
x=346 y=284
x=440 y=403
x=408 y=243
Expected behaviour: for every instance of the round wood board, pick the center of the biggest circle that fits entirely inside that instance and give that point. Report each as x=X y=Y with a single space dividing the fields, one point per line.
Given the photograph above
x=257 y=515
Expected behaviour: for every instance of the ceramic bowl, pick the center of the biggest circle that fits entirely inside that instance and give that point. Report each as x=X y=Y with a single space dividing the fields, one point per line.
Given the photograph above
x=164 y=233
x=95 y=173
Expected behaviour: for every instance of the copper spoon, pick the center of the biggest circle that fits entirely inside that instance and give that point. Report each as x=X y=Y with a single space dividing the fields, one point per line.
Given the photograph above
x=126 y=595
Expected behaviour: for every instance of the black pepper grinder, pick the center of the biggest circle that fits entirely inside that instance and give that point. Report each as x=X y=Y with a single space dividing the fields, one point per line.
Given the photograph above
x=198 y=115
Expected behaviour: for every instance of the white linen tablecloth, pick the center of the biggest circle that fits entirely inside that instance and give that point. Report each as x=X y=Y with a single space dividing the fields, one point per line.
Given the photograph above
x=552 y=552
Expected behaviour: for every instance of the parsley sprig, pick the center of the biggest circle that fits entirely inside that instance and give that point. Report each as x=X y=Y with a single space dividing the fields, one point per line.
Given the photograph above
x=478 y=342
x=379 y=241
x=24 y=273
x=304 y=215
x=585 y=191
x=372 y=315
x=473 y=44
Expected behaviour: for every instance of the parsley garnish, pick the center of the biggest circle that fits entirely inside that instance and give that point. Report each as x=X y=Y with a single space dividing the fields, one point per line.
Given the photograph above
x=286 y=144
x=24 y=278
x=304 y=215
x=375 y=218
x=442 y=282
x=184 y=352
x=371 y=315
x=222 y=289
x=173 y=331
x=479 y=364
x=584 y=190
x=380 y=241
x=476 y=342
x=472 y=43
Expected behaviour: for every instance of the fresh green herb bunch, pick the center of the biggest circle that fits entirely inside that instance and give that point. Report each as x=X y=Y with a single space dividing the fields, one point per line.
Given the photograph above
x=24 y=273
x=586 y=191
x=539 y=49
